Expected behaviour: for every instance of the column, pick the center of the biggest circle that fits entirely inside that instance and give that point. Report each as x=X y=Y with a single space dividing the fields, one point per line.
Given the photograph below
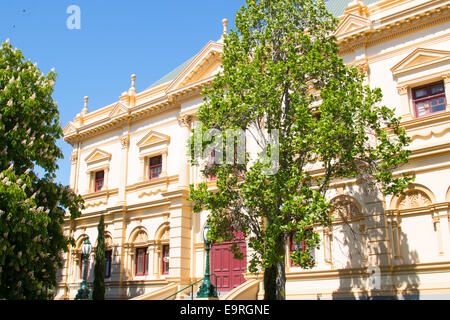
x=185 y=124
x=405 y=111
x=378 y=243
x=180 y=236
x=125 y=143
x=73 y=168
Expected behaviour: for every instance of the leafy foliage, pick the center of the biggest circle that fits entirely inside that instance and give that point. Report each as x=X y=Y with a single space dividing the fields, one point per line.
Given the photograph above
x=32 y=209
x=282 y=71
x=100 y=260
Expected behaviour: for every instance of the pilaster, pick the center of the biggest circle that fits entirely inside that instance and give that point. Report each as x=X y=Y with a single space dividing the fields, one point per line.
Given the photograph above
x=180 y=236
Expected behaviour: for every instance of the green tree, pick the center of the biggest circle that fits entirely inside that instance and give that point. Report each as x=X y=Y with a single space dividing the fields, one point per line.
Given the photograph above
x=99 y=269
x=32 y=209
x=282 y=71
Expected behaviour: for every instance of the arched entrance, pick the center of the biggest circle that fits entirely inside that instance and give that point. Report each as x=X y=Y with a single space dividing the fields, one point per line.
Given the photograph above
x=229 y=271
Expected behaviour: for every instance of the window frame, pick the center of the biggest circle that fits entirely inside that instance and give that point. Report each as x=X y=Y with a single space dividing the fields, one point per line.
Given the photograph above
x=304 y=247
x=150 y=167
x=165 y=254
x=96 y=180
x=429 y=96
x=108 y=262
x=144 y=262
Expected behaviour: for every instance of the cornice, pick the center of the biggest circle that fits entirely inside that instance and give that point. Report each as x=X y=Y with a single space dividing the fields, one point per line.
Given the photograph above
x=396 y=25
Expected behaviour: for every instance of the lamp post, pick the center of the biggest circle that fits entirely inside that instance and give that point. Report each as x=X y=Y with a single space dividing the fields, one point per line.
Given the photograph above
x=83 y=292
x=207 y=289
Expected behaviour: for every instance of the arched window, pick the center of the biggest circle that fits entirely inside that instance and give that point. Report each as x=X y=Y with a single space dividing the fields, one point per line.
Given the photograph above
x=140 y=243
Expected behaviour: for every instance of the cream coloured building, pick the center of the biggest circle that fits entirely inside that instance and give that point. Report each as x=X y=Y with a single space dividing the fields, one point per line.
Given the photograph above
x=129 y=164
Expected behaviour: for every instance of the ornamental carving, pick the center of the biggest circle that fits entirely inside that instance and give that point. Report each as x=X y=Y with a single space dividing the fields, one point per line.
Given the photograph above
x=125 y=141
x=414 y=199
x=402 y=90
x=344 y=207
x=108 y=242
x=74 y=157
x=363 y=68
x=141 y=237
x=185 y=120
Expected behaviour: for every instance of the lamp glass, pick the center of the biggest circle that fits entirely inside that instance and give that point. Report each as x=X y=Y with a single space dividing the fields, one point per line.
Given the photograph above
x=86 y=247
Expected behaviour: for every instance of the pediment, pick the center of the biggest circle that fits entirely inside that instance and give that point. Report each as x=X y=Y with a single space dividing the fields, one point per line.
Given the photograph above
x=119 y=108
x=98 y=155
x=204 y=65
x=153 y=138
x=420 y=58
x=69 y=129
x=351 y=24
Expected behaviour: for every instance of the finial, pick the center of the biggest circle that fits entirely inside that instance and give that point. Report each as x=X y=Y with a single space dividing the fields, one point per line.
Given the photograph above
x=133 y=80
x=85 y=110
x=225 y=26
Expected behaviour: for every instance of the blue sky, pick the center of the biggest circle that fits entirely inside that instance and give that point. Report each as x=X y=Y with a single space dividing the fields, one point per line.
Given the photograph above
x=116 y=39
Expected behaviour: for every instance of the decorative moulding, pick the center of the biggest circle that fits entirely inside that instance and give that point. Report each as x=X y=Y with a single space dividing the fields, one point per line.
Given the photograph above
x=153 y=138
x=420 y=58
x=207 y=58
x=97 y=155
x=118 y=109
x=69 y=129
x=352 y=24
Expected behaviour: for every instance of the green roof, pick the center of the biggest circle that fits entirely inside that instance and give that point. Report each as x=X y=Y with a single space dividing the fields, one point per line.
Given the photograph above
x=335 y=7
x=172 y=74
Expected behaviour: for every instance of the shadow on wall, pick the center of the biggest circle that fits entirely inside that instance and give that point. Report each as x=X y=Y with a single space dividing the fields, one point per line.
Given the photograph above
x=371 y=267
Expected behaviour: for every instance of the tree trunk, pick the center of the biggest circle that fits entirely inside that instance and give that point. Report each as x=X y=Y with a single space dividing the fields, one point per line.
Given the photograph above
x=275 y=277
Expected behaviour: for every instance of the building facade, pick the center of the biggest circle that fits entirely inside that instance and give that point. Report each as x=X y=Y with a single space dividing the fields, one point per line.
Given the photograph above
x=129 y=163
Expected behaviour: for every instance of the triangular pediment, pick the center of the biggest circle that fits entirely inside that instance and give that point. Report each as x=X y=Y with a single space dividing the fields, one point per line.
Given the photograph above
x=203 y=66
x=119 y=108
x=69 y=129
x=420 y=58
x=98 y=155
x=153 y=138
x=351 y=24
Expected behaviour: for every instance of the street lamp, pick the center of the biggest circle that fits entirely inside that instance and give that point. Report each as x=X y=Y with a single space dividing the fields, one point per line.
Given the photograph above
x=83 y=292
x=207 y=289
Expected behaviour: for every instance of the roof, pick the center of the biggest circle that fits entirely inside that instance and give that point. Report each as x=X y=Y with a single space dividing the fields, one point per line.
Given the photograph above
x=335 y=7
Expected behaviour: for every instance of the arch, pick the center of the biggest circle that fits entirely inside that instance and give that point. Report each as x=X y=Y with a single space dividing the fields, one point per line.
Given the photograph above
x=162 y=232
x=80 y=241
x=108 y=240
x=139 y=235
x=415 y=196
x=345 y=207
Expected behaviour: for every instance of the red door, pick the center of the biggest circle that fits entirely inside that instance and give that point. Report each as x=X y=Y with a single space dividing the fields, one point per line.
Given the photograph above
x=229 y=271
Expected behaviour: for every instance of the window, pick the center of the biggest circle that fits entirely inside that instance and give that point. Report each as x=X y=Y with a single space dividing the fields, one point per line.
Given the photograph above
x=141 y=261
x=108 y=259
x=299 y=247
x=429 y=99
x=155 y=167
x=99 y=180
x=165 y=259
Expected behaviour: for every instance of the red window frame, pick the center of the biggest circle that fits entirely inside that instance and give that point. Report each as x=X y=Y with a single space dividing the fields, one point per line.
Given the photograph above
x=303 y=246
x=141 y=252
x=99 y=180
x=165 y=259
x=108 y=260
x=428 y=99
x=155 y=167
